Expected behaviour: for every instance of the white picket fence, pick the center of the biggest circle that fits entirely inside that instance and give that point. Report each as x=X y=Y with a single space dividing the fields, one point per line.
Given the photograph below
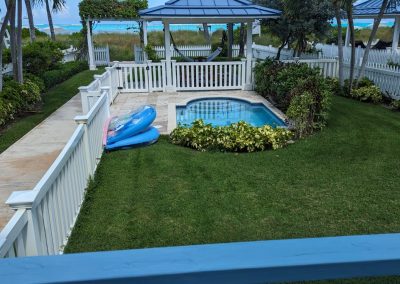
x=189 y=76
x=329 y=68
x=102 y=55
x=46 y=214
x=382 y=57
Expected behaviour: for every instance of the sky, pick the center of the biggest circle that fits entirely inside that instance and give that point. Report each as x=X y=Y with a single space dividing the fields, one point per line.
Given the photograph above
x=70 y=15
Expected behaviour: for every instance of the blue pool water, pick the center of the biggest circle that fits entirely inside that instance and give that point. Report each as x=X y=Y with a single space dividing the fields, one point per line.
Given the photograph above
x=224 y=111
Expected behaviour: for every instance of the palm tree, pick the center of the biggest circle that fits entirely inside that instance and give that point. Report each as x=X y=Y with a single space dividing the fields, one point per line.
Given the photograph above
x=10 y=4
x=349 y=11
x=30 y=19
x=375 y=27
x=337 y=4
x=57 y=6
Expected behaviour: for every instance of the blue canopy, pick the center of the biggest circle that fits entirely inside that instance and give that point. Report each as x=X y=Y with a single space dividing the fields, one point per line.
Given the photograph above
x=192 y=9
x=372 y=7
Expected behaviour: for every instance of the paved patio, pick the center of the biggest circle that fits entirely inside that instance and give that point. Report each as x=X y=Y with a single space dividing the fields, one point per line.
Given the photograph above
x=24 y=163
x=165 y=104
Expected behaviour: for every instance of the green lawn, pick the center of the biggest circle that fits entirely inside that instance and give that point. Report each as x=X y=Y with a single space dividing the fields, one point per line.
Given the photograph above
x=342 y=181
x=52 y=100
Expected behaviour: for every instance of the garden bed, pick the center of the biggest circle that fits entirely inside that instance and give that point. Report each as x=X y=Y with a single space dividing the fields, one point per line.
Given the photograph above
x=343 y=180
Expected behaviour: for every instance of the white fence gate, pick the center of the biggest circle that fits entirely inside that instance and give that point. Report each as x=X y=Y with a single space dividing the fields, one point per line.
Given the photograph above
x=189 y=76
x=102 y=55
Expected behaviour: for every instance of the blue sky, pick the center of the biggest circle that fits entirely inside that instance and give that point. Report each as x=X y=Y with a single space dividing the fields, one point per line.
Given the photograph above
x=70 y=15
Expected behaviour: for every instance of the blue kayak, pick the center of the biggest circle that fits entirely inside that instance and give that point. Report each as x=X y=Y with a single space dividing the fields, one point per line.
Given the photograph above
x=147 y=137
x=124 y=127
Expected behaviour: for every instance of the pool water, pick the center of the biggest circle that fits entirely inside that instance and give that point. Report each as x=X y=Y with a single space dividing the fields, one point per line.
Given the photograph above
x=224 y=111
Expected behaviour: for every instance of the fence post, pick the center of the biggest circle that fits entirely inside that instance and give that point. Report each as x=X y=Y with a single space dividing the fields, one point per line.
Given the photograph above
x=173 y=70
x=149 y=75
x=337 y=67
x=244 y=60
x=108 y=55
x=86 y=143
x=84 y=99
x=163 y=74
x=23 y=200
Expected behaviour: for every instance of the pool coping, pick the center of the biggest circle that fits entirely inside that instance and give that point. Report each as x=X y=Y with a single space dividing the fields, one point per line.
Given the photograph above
x=172 y=124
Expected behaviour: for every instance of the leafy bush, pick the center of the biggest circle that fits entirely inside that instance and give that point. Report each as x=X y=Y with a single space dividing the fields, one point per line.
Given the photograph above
x=275 y=80
x=367 y=94
x=151 y=53
x=310 y=105
x=41 y=56
x=16 y=98
x=238 y=137
x=395 y=105
x=298 y=90
x=63 y=72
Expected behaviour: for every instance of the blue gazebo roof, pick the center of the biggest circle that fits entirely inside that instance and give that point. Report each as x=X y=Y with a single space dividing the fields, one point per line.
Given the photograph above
x=372 y=7
x=190 y=9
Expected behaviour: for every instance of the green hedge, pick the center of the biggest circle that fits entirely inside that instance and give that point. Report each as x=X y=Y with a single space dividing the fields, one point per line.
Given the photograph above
x=238 y=137
x=298 y=90
x=16 y=98
x=63 y=72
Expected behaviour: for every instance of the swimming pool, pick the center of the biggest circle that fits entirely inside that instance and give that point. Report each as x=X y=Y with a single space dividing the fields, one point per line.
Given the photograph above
x=225 y=111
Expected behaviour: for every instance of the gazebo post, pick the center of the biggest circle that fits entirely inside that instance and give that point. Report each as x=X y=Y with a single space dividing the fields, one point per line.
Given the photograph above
x=347 y=40
x=167 y=46
x=249 y=56
x=396 y=34
x=92 y=64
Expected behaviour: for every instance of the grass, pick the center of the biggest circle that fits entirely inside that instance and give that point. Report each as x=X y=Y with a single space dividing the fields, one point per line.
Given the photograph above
x=342 y=181
x=52 y=100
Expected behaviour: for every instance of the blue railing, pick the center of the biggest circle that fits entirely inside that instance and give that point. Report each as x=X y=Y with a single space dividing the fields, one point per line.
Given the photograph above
x=249 y=262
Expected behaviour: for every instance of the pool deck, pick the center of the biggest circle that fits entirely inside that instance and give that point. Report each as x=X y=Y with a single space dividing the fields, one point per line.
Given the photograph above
x=165 y=104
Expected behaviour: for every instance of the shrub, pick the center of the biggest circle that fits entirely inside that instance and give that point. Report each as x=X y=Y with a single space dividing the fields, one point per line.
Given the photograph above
x=367 y=94
x=298 y=90
x=16 y=98
x=151 y=53
x=275 y=80
x=41 y=56
x=63 y=72
x=238 y=137
x=310 y=104
x=395 y=105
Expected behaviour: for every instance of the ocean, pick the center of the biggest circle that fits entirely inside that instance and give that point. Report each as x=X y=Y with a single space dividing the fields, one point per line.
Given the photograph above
x=132 y=27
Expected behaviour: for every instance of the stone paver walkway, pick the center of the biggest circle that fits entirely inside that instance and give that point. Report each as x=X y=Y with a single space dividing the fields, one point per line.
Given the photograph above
x=24 y=163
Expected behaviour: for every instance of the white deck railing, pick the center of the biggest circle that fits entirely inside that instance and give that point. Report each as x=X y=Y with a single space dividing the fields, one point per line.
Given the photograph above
x=189 y=76
x=46 y=214
x=107 y=81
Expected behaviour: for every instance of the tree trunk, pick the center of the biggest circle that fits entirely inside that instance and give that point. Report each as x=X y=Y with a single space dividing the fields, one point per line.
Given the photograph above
x=242 y=35
x=377 y=21
x=19 y=44
x=340 y=44
x=230 y=40
x=13 y=42
x=9 y=5
x=50 y=19
x=206 y=33
x=278 y=55
x=30 y=19
x=349 y=11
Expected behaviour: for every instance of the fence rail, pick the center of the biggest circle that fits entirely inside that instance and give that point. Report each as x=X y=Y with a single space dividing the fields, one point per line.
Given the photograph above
x=46 y=214
x=278 y=261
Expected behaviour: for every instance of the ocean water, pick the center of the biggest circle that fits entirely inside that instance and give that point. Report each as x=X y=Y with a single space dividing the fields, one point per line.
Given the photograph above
x=125 y=27
x=132 y=27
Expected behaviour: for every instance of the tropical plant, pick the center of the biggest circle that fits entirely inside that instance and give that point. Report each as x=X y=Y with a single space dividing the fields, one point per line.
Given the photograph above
x=301 y=21
x=237 y=137
x=54 y=6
